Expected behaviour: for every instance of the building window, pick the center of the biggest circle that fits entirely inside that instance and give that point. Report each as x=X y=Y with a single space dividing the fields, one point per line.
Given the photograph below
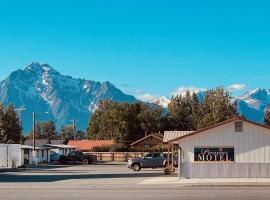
x=238 y=126
x=42 y=153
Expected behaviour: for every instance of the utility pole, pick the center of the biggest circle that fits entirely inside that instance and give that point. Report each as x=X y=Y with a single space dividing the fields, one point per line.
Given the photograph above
x=34 y=130
x=74 y=128
x=34 y=138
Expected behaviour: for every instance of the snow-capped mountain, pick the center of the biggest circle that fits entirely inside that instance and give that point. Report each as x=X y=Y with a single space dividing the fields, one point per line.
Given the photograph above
x=41 y=88
x=161 y=101
x=253 y=104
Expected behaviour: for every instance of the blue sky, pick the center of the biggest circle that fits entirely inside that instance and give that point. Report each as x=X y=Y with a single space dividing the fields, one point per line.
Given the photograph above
x=142 y=46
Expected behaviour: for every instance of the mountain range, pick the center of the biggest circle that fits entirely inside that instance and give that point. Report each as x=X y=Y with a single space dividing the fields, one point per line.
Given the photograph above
x=252 y=104
x=40 y=88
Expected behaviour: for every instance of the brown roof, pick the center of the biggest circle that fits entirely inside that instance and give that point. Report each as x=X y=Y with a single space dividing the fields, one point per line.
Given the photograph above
x=86 y=145
x=155 y=135
x=237 y=118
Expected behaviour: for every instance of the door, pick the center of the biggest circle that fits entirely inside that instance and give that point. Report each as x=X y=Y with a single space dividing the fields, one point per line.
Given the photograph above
x=158 y=159
x=147 y=161
x=72 y=156
x=4 y=157
x=26 y=156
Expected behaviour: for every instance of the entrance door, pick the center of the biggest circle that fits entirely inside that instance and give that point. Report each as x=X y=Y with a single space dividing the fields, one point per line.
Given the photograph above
x=26 y=156
x=4 y=157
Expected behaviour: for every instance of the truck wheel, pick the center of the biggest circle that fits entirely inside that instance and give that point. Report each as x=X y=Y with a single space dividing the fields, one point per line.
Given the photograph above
x=136 y=167
x=85 y=162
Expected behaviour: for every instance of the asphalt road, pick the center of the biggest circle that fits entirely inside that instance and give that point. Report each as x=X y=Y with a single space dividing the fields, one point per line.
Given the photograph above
x=142 y=193
x=109 y=181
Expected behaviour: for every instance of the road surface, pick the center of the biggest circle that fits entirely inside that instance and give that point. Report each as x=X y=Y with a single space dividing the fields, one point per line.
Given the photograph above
x=112 y=182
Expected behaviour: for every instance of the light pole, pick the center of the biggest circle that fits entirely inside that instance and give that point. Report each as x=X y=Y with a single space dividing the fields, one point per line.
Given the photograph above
x=34 y=137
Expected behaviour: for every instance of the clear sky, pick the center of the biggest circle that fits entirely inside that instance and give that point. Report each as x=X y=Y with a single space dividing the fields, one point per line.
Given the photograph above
x=142 y=46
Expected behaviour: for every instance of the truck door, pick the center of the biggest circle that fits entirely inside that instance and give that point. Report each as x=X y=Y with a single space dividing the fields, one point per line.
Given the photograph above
x=158 y=159
x=147 y=161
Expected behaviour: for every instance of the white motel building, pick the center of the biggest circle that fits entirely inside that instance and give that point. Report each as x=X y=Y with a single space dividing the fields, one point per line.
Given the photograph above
x=236 y=148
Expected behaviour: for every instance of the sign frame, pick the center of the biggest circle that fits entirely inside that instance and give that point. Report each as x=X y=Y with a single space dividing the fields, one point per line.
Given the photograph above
x=214 y=154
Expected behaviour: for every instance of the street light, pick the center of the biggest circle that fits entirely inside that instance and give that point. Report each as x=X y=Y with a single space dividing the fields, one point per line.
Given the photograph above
x=34 y=137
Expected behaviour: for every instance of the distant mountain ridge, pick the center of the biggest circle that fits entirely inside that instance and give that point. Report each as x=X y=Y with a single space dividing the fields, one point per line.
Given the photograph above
x=41 y=88
x=252 y=104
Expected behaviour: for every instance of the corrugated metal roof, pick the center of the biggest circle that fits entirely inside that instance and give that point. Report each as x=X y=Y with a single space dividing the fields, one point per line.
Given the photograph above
x=87 y=145
x=60 y=146
x=170 y=135
x=31 y=147
x=57 y=142
x=39 y=142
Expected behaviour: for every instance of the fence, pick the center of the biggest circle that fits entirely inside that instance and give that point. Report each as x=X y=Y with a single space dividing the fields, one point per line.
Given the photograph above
x=116 y=156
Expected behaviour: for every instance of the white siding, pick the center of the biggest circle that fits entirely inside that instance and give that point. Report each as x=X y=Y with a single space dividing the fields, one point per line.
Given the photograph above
x=252 y=151
x=10 y=155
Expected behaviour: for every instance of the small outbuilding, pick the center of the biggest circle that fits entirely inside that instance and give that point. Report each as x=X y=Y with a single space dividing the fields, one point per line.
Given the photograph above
x=235 y=148
x=153 y=141
x=51 y=149
x=16 y=155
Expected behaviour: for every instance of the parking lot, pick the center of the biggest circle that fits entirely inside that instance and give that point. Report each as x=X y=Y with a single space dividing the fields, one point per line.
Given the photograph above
x=95 y=174
x=107 y=181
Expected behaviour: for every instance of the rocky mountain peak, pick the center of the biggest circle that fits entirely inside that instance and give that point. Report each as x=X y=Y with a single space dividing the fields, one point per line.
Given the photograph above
x=40 y=88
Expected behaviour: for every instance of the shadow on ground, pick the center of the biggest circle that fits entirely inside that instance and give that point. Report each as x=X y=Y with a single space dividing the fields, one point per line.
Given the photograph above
x=12 y=178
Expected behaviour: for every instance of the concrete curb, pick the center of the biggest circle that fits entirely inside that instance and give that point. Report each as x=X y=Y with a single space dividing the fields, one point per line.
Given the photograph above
x=226 y=185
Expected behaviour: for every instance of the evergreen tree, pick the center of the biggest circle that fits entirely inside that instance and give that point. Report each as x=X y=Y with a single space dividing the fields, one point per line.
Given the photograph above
x=80 y=135
x=196 y=111
x=66 y=133
x=48 y=130
x=2 y=125
x=12 y=128
x=267 y=116
x=44 y=130
x=184 y=112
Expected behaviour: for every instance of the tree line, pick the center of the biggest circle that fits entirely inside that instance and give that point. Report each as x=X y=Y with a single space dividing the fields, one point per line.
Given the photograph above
x=11 y=129
x=125 y=123
x=47 y=130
